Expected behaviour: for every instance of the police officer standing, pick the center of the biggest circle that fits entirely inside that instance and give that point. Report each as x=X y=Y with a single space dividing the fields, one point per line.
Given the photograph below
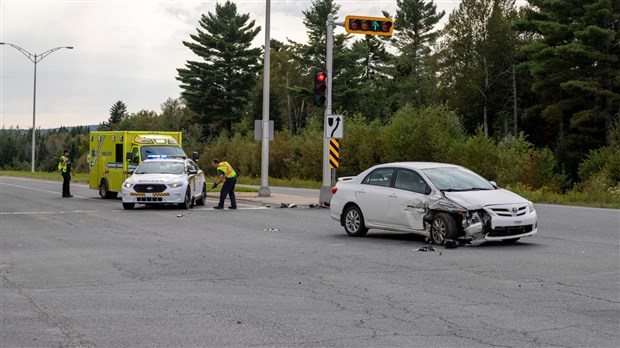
x=65 y=169
x=228 y=175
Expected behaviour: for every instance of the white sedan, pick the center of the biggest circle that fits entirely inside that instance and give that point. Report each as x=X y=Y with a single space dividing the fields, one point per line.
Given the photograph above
x=449 y=204
x=165 y=181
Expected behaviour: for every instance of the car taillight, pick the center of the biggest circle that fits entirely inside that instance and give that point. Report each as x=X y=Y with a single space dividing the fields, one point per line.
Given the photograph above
x=334 y=189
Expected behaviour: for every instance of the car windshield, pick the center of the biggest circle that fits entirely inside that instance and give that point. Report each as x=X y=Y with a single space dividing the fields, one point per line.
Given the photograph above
x=456 y=179
x=156 y=152
x=160 y=168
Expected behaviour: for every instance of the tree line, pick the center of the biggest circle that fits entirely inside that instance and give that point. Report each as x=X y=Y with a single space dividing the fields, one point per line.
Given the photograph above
x=544 y=77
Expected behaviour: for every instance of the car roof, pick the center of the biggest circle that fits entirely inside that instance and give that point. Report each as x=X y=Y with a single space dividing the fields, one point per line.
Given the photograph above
x=418 y=165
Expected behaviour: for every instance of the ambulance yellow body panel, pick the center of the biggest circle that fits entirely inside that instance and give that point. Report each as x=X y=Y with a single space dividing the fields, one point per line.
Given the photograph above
x=115 y=154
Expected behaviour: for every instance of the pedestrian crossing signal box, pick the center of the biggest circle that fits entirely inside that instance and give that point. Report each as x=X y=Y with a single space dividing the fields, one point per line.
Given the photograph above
x=369 y=25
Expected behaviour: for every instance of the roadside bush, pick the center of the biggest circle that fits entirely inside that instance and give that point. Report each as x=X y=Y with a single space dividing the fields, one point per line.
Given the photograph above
x=541 y=171
x=512 y=158
x=478 y=153
x=421 y=134
x=361 y=146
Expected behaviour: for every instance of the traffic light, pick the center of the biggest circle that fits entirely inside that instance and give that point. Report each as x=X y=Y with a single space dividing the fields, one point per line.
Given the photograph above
x=369 y=25
x=320 y=87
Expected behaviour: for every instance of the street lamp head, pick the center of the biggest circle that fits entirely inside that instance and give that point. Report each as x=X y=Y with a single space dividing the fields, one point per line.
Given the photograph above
x=69 y=47
x=2 y=43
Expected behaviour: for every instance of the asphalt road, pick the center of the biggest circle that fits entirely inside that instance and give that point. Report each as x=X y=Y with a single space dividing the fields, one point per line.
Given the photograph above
x=83 y=272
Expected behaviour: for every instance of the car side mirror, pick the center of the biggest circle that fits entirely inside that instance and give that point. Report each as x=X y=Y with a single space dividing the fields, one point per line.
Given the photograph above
x=193 y=172
x=130 y=172
x=494 y=184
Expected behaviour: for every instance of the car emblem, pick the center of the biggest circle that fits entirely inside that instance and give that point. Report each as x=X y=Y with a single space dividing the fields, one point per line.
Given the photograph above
x=514 y=210
x=150 y=188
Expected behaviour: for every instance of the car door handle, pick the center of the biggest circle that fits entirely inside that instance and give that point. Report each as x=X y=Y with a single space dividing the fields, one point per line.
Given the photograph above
x=393 y=195
x=361 y=191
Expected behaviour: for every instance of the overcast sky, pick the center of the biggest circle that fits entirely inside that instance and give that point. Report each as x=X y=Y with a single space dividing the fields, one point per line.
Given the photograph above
x=123 y=50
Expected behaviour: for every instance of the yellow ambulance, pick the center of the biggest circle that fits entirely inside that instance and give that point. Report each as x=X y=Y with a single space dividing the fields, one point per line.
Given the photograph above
x=115 y=154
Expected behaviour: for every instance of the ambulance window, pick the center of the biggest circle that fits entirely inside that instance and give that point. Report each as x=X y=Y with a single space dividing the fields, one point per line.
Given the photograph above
x=119 y=153
x=135 y=155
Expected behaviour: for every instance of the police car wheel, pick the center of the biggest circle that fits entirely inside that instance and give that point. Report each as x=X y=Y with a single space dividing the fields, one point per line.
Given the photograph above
x=202 y=200
x=129 y=206
x=187 y=201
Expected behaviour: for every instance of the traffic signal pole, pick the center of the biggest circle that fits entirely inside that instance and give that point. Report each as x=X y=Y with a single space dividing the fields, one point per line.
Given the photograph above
x=325 y=195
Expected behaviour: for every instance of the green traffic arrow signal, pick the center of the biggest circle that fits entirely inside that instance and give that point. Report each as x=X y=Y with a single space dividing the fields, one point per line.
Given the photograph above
x=375 y=25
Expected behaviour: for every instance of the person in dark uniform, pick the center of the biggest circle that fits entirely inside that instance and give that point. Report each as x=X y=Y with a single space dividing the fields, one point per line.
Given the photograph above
x=226 y=174
x=65 y=169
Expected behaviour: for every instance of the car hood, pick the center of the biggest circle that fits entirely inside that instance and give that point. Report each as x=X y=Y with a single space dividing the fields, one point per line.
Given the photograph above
x=154 y=178
x=477 y=199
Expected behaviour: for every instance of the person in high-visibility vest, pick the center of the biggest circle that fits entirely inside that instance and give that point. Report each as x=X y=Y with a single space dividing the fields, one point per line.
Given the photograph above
x=65 y=169
x=226 y=174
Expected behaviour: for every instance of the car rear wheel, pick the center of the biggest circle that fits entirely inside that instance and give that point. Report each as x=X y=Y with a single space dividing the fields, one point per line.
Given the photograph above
x=187 y=201
x=443 y=228
x=203 y=197
x=129 y=206
x=354 y=222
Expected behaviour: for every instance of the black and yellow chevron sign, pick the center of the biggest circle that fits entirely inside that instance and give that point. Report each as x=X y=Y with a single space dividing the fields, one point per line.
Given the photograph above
x=334 y=153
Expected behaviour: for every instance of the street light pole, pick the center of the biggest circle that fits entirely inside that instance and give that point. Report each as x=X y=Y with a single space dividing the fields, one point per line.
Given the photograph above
x=35 y=58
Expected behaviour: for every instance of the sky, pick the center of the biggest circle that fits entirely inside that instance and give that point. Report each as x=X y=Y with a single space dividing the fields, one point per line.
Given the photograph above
x=123 y=50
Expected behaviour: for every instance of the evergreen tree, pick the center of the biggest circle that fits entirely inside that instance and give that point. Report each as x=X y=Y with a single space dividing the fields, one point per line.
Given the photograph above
x=575 y=65
x=118 y=112
x=217 y=88
x=415 y=33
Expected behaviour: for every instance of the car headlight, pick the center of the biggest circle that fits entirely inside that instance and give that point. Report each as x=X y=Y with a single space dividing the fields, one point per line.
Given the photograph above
x=176 y=184
x=128 y=185
x=530 y=206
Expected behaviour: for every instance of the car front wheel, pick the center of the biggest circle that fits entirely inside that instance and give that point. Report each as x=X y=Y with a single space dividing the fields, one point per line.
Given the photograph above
x=443 y=228
x=354 y=222
x=202 y=200
x=187 y=201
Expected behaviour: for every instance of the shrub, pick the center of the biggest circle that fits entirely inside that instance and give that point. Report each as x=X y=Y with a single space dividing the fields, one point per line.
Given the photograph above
x=421 y=134
x=512 y=158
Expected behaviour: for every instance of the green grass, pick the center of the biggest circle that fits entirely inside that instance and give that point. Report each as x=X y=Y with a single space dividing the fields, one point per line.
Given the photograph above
x=609 y=199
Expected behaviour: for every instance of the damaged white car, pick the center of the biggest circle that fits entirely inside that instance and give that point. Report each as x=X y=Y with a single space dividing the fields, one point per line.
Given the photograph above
x=447 y=203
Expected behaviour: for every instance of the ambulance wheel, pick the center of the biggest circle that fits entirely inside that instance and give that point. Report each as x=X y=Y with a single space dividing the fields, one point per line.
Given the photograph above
x=202 y=200
x=104 y=191
x=128 y=206
x=187 y=202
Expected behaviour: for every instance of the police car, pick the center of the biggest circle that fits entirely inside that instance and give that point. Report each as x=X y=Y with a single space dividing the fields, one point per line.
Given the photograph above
x=165 y=181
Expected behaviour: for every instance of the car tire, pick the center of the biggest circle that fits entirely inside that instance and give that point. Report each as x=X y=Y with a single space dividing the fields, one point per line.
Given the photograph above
x=128 y=206
x=187 y=202
x=443 y=228
x=104 y=190
x=354 y=222
x=202 y=200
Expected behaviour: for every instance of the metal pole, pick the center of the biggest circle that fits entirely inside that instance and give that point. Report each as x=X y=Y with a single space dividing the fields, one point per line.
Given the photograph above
x=35 y=59
x=34 y=108
x=264 y=190
x=326 y=192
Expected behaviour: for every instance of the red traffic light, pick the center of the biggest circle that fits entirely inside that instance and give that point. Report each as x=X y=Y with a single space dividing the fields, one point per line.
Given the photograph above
x=320 y=88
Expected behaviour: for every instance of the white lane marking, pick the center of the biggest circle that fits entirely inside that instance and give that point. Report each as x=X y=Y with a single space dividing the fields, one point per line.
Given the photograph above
x=49 y=212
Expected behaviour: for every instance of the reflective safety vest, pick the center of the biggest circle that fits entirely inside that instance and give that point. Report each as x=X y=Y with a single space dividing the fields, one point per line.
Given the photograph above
x=62 y=165
x=225 y=168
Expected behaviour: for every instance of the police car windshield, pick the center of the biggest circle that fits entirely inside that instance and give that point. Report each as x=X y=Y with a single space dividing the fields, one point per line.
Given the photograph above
x=155 y=152
x=162 y=167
